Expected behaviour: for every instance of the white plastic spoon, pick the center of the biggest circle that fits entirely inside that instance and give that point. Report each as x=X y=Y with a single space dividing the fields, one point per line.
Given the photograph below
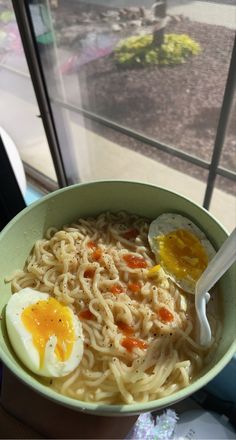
x=221 y=262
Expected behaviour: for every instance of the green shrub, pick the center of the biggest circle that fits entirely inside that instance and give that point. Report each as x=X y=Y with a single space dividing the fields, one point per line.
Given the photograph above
x=141 y=51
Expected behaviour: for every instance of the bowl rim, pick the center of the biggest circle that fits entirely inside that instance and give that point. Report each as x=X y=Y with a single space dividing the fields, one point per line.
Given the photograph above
x=101 y=182
x=108 y=409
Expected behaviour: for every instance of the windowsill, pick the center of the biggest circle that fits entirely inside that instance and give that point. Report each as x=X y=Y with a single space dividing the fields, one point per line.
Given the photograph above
x=32 y=195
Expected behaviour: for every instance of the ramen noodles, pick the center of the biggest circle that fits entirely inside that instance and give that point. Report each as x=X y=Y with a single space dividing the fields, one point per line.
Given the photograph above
x=139 y=328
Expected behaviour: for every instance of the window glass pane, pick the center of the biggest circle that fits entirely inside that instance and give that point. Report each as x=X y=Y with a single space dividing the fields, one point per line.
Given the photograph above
x=177 y=103
x=223 y=203
x=18 y=106
x=228 y=157
x=227 y=185
x=105 y=156
x=149 y=151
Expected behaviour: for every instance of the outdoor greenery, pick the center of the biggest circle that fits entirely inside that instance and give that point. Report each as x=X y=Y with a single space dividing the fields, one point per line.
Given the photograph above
x=141 y=51
x=6 y=16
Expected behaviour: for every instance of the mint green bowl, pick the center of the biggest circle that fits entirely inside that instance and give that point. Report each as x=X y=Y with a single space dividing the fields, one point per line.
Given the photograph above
x=64 y=206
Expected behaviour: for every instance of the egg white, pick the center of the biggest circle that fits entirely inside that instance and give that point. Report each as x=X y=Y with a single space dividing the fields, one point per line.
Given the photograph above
x=170 y=222
x=22 y=340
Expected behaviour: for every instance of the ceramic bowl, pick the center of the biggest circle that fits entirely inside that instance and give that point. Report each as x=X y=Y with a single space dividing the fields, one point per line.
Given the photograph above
x=90 y=199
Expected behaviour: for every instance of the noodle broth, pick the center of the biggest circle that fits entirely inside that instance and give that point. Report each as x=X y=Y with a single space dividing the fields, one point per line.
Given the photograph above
x=140 y=329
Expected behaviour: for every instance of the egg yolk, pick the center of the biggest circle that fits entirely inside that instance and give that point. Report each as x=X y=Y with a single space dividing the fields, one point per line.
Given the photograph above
x=182 y=254
x=45 y=319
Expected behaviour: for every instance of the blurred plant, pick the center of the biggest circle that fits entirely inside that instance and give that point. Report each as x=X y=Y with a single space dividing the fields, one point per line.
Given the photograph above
x=6 y=16
x=141 y=50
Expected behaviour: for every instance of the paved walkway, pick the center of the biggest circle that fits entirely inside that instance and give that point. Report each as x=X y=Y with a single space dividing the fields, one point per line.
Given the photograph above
x=210 y=13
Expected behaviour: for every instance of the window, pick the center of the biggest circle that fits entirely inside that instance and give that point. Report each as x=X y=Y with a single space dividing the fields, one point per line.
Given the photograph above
x=138 y=91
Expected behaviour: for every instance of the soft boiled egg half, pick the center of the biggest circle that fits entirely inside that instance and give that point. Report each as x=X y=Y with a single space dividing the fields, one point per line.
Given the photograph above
x=45 y=334
x=181 y=248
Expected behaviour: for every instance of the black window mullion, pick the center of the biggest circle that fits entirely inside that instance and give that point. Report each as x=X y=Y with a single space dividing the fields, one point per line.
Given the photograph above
x=29 y=44
x=222 y=127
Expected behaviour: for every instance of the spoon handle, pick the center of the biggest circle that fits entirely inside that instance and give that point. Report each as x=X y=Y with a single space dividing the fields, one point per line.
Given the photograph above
x=221 y=262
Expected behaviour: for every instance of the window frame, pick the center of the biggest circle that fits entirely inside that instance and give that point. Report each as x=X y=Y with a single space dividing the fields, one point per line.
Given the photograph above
x=44 y=99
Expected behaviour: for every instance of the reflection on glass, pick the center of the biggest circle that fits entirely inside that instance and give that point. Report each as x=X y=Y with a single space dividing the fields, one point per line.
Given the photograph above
x=157 y=68
x=174 y=97
x=50 y=58
x=18 y=106
x=11 y=50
